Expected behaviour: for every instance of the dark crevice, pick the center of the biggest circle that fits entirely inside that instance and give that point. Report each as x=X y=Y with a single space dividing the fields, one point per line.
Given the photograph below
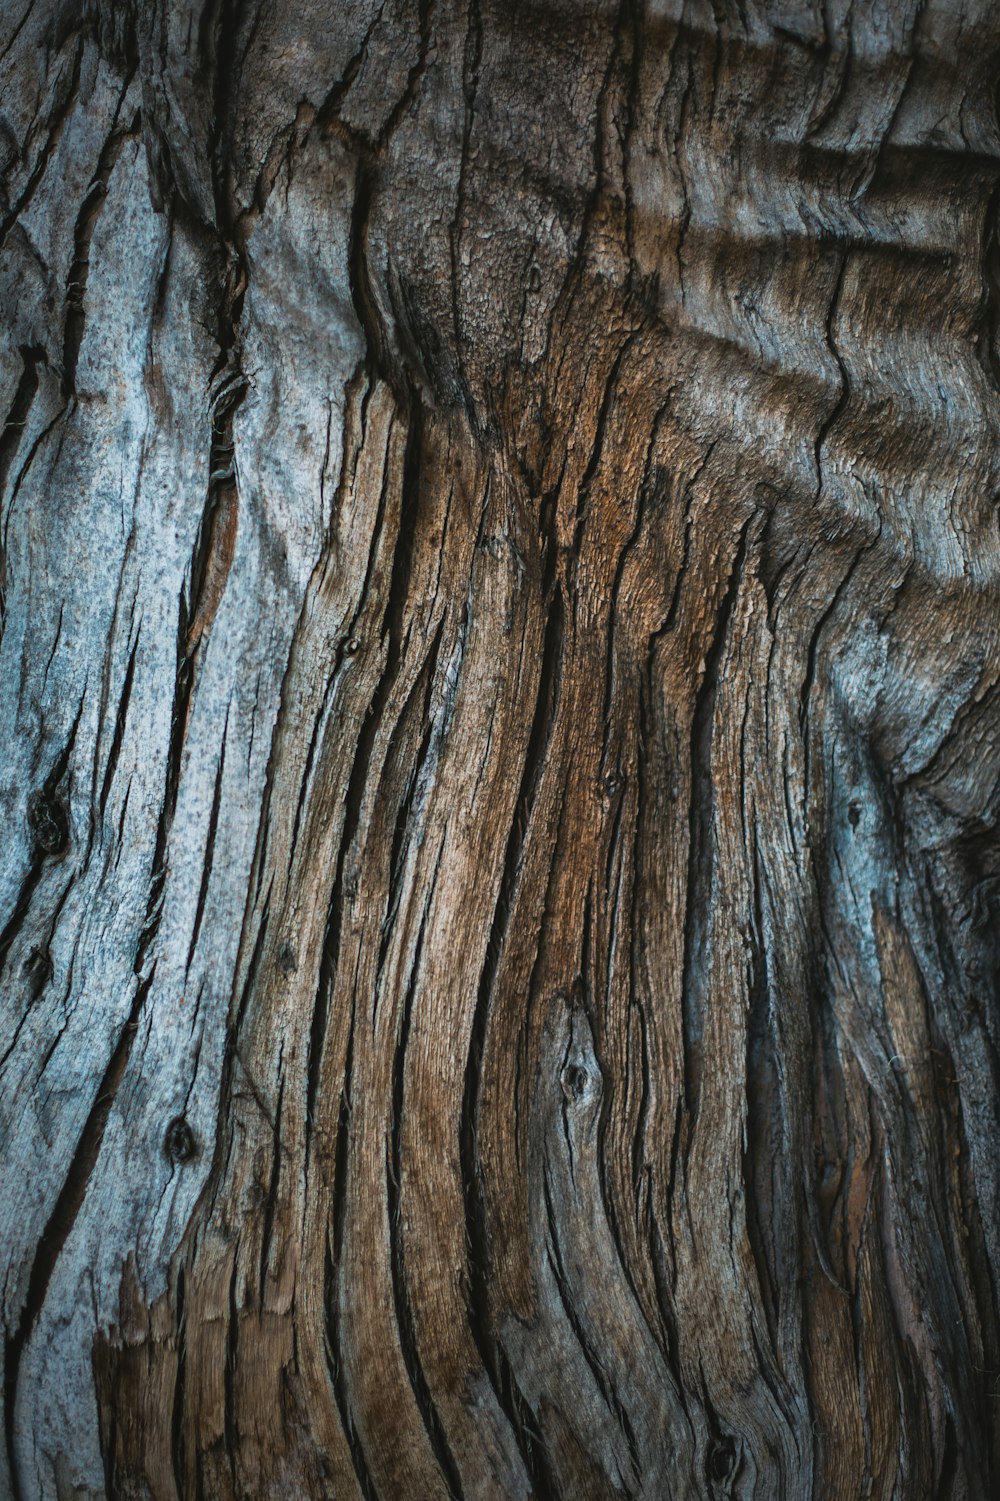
x=392 y=629
x=763 y=1152
x=845 y=388
x=23 y=472
x=109 y=1447
x=119 y=732
x=218 y=50
x=229 y=1428
x=414 y=77
x=983 y=1285
x=180 y=708
x=254 y=965
x=638 y=1153
x=264 y=821
x=471 y=59
x=331 y=1264
x=663 y=1283
x=649 y=486
x=188 y=633
x=987 y=342
x=13 y=924
x=809 y=679
x=584 y=988
x=601 y=1378
x=701 y=853
x=45 y=797
x=631 y=25
x=37 y=970
x=604 y=196
x=329 y=110
x=177 y=1438
x=361 y=1470
x=209 y=855
x=339 y=1207
x=670 y=618
x=531 y=1444
x=613 y=786
x=378 y=359
x=318 y=726
x=477 y=1237
x=600 y=434
x=215 y=545
x=32 y=355
x=90 y=211
x=944 y=1490
x=401 y=829
x=271 y=1200
x=394 y=1171
x=577 y=1089
x=16 y=32
x=59 y=119
x=64 y=1214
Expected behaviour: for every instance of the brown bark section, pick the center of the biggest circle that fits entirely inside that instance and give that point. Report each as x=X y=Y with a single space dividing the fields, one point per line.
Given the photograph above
x=610 y=1093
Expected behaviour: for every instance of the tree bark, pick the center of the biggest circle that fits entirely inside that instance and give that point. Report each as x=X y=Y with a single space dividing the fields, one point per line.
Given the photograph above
x=500 y=763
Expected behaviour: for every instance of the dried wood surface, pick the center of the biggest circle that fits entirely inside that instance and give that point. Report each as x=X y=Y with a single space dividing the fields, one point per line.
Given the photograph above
x=499 y=757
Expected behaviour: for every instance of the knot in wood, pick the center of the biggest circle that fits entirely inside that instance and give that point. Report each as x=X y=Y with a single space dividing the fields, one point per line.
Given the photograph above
x=38 y=970
x=49 y=823
x=721 y=1459
x=575 y=1081
x=178 y=1141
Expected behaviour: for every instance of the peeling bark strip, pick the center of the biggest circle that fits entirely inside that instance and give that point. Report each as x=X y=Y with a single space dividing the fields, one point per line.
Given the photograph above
x=500 y=768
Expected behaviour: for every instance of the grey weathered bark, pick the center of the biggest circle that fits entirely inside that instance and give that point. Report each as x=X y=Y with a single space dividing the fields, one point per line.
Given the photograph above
x=499 y=705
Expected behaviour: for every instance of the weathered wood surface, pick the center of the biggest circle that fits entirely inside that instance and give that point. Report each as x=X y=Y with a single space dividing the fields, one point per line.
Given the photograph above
x=499 y=775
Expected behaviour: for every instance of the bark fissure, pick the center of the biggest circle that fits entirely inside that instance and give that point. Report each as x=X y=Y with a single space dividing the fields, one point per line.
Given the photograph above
x=76 y=283
x=701 y=836
x=10 y=438
x=394 y=1182
x=206 y=867
x=391 y=635
x=64 y=1213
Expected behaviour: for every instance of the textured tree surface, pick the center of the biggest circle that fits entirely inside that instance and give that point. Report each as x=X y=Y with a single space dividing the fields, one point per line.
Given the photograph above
x=500 y=771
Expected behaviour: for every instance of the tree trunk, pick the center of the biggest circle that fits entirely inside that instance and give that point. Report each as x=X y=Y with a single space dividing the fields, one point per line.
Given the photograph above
x=499 y=698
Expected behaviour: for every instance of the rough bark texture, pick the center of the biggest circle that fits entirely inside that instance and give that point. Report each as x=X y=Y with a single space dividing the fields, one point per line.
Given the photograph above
x=500 y=763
